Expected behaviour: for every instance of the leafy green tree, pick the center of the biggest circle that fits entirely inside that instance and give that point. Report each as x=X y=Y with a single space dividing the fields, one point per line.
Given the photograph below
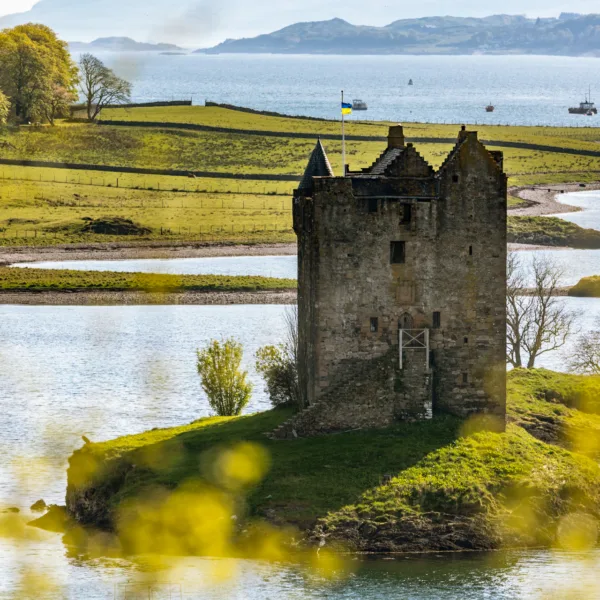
x=100 y=86
x=279 y=370
x=225 y=384
x=279 y=364
x=57 y=102
x=4 y=108
x=34 y=63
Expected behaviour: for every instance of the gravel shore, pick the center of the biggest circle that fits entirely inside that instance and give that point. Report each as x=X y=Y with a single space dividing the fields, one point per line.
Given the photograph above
x=541 y=200
x=113 y=251
x=111 y=298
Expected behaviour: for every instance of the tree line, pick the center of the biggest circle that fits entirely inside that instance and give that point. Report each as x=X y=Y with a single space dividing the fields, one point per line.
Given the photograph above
x=39 y=81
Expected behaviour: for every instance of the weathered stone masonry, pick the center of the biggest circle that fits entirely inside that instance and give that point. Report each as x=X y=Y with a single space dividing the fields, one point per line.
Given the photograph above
x=397 y=252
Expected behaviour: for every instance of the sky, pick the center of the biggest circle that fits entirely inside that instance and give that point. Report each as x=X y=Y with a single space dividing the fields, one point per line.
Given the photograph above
x=220 y=19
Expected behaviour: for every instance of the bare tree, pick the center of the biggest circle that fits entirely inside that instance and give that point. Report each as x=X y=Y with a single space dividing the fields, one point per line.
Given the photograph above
x=586 y=354
x=537 y=321
x=100 y=86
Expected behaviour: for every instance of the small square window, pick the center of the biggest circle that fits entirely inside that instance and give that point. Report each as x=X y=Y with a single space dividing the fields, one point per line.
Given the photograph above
x=397 y=253
x=372 y=205
x=455 y=178
x=466 y=340
x=465 y=378
x=374 y=324
x=437 y=320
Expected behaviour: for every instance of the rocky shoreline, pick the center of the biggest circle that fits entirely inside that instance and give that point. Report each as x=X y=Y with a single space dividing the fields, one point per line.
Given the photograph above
x=150 y=250
x=136 y=298
x=541 y=199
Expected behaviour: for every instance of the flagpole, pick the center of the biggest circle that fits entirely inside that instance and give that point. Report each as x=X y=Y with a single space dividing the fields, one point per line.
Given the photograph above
x=343 y=140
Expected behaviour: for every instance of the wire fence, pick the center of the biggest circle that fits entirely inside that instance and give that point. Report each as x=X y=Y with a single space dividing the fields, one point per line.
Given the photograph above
x=200 y=233
x=149 y=186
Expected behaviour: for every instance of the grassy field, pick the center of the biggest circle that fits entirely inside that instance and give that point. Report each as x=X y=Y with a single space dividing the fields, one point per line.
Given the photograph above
x=443 y=479
x=30 y=280
x=46 y=206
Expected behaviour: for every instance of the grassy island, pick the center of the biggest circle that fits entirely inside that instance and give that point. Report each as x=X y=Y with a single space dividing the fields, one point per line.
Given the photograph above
x=434 y=485
x=551 y=231
x=587 y=287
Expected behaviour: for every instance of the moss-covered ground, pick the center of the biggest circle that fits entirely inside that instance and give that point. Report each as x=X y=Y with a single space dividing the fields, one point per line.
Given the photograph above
x=439 y=484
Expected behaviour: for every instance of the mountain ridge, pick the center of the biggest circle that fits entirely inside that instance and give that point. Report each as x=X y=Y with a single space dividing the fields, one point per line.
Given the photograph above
x=122 y=44
x=570 y=34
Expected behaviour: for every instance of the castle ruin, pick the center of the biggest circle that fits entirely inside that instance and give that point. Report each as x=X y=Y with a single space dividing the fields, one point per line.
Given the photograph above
x=401 y=288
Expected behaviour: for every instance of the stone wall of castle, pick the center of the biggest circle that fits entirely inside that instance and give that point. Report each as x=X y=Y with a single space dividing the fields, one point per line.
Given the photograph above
x=403 y=247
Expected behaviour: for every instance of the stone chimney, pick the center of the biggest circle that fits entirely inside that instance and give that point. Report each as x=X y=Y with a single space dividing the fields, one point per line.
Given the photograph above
x=396 y=137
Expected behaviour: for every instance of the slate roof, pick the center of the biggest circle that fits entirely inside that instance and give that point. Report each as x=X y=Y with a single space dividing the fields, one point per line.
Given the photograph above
x=318 y=166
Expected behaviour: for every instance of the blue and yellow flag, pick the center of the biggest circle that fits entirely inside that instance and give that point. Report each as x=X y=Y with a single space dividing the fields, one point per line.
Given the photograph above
x=346 y=108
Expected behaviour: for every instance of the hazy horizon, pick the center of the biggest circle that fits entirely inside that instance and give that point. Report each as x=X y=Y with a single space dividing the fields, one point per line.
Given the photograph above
x=207 y=22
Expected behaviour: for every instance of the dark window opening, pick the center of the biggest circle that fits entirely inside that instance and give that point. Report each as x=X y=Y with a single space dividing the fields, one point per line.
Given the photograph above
x=374 y=324
x=406 y=214
x=373 y=205
x=470 y=250
x=455 y=178
x=437 y=320
x=397 y=252
x=466 y=340
x=465 y=378
x=405 y=321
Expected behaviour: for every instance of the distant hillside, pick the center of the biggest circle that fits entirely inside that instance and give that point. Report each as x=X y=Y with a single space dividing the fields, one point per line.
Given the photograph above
x=121 y=44
x=571 y=34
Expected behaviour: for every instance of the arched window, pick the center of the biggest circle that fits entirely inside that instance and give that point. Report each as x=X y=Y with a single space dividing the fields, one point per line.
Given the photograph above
x=405 y=321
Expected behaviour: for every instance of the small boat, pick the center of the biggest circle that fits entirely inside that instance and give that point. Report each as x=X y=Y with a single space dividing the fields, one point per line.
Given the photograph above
x=410 y=82
x=359 y=105
x=585 y=108
x=490 y=108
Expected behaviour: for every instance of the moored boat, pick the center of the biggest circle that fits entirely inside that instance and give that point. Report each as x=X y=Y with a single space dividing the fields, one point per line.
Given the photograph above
x=358 y=104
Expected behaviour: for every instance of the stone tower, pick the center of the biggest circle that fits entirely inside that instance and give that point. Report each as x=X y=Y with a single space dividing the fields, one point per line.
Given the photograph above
x=401 y=288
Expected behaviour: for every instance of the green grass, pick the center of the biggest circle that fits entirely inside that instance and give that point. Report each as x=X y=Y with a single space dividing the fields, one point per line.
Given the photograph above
x=551 y=231
x=44 y=206
x=587 y=287
x=26 y=279
x=441 y=477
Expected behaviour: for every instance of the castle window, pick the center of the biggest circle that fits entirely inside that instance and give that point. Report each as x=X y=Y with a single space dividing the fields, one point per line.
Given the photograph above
x=466 y=340
x=397 y=253
x=406 y=214
x=455 y=178
x=372 y=205
x=405 y=321
x=437 y=320
x=374 y=324
x=465 y=378
x=470 y=250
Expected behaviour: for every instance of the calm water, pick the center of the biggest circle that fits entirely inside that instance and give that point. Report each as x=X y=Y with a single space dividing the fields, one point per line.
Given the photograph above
x=589 y=203
x=267 y=266
x=527 y=90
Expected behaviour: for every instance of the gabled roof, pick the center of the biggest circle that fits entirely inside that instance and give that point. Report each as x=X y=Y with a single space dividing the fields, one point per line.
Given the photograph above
x=318 y=166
